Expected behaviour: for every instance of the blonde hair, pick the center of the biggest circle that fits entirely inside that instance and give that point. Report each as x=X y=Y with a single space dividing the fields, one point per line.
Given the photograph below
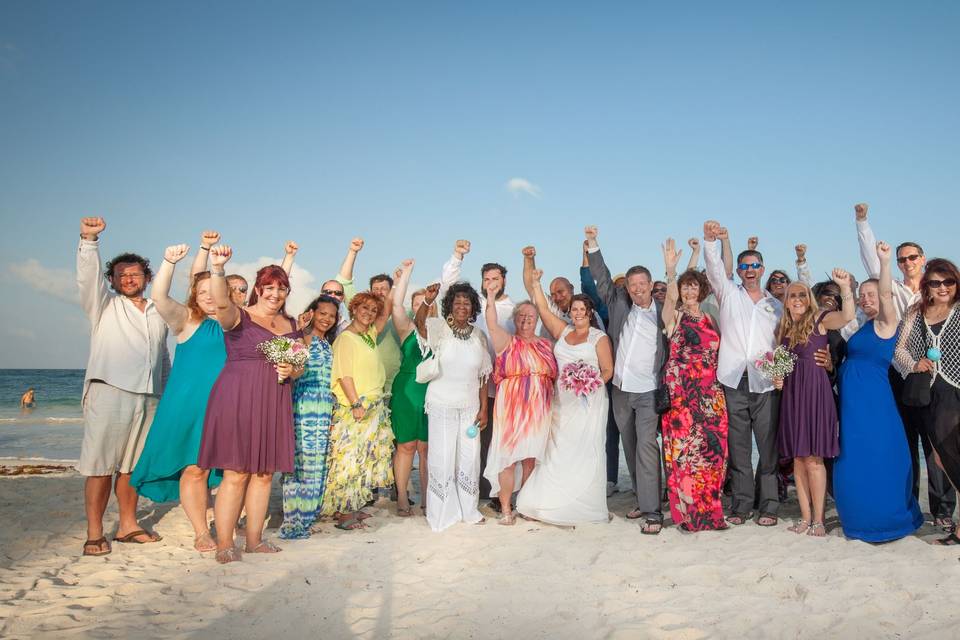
x=798 y=331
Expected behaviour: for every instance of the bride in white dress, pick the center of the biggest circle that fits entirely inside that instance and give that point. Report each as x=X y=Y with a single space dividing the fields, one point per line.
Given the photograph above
x=570 y=486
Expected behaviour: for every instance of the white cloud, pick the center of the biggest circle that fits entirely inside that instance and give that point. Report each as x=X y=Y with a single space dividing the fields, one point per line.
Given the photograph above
x=58 y=283
x=518 y=186
x=302 y=283
x=20 y=333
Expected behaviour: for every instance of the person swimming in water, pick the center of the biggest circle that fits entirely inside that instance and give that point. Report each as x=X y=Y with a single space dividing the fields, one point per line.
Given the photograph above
x=28 y=400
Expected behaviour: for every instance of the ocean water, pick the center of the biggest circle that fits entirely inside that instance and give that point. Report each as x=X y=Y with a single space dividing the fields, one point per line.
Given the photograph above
x=53 y=429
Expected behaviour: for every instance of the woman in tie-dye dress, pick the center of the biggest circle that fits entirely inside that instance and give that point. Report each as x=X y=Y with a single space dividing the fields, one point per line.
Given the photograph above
x=524 y=373
x=312 y=414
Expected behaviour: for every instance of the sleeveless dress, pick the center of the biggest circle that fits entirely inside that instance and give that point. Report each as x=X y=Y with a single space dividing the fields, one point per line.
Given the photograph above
x=872 y=476
x=249 y=421
x=524 y=373
x=313 y=402
x=808 y=412
x=569 y=486
x=174 y=439
x=407 y=395
x=695 y=427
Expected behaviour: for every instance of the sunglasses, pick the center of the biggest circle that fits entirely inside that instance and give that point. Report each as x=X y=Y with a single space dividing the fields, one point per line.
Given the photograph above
x=241 y=288
x=936 y=284
x=659 y=289
x=913 y=257
x=332 y=292
x=750 y=265
x=777 y=279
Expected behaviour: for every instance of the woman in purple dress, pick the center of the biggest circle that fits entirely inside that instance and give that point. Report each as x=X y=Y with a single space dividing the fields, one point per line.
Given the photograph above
x=808 y=415
x=248 y=430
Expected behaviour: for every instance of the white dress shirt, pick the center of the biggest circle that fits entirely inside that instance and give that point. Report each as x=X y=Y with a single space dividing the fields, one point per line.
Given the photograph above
x=903 y=296
x=748 y=328
x=633 y=369
x=128 y=347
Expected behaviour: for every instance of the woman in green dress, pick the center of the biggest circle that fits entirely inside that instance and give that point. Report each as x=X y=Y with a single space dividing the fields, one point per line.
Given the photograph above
x=406 y=403
x=167 y=468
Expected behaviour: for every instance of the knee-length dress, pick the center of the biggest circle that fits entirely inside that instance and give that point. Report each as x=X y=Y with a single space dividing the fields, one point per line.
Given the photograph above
x=407 y=397
x=524 y=373
x=808 y=413
x=249 y=421
x=174 y=439
x=313 y=403
x=873 y=475
x=695 y=426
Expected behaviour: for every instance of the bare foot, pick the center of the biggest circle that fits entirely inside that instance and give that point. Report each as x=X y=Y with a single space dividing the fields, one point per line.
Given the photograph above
x=204 y=542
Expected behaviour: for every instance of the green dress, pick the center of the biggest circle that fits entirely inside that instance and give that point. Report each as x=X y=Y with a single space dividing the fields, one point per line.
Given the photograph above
x=406 y=403
x=173 y=441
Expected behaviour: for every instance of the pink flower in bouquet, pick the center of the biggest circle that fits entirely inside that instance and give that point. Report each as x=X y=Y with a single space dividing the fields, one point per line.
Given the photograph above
x=580 y=378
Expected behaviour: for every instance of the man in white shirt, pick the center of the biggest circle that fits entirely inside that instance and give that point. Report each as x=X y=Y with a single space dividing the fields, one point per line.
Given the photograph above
x=635 y=327
x=493 y=276
x=906 y=293
x=748 y=323
x=126 y=372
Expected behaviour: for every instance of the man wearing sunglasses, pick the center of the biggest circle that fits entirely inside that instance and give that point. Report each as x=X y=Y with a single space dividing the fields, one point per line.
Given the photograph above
x=341 y=287
x=748 y=323
x=906 y=292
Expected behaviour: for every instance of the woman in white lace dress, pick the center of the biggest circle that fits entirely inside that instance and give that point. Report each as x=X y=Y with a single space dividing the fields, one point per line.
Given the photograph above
x=570 y=486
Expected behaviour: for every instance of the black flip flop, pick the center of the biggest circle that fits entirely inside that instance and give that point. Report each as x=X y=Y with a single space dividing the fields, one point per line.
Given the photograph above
x=950 y=541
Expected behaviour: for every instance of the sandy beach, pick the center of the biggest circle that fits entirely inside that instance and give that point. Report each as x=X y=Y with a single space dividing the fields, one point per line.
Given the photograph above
x=397 y=579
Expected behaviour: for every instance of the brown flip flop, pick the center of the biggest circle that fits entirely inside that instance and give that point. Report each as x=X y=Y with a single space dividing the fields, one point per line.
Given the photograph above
x=130 y=538
x=96 y=543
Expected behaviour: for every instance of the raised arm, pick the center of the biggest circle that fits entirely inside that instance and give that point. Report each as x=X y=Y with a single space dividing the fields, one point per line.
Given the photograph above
x=173 y=313
x=401 y=322
x=345 y=275
x=90 y=281
x=499 y=336
x=598 y=268
x=207 y=240
x=803 y=270
x=289 y=252
x=867 y=241
x=228 y=314
x=848 y=311
x=694 y=244
x=886 y=321
x=716 y=273
x=670 y=259
x=420 y=319
x=452 y=268
x=531 y=281
x=724 y=236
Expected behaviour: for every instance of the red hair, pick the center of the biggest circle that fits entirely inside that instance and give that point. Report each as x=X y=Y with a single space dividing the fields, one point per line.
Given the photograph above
x=270 y=274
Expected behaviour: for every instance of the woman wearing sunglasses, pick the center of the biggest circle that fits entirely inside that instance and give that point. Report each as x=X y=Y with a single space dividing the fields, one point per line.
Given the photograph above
x=930 y=342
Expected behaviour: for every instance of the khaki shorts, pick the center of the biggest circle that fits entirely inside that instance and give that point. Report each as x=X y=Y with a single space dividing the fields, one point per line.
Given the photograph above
x=116 y=423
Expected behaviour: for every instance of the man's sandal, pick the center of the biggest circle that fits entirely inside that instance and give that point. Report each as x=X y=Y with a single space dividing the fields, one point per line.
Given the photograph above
x=950 y=541
x=738 y=518
x=651 y=526
x=131 y=538
x=100 y=544
x=768 y=520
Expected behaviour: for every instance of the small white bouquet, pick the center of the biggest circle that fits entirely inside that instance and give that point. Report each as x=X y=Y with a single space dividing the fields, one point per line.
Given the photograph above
x=282 y=350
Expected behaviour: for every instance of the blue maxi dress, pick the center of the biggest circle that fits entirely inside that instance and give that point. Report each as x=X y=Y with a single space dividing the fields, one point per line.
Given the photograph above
x=872 y=477
x=173 y=441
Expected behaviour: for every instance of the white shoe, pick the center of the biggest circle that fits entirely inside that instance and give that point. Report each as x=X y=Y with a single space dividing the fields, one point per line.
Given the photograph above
x=611 y=488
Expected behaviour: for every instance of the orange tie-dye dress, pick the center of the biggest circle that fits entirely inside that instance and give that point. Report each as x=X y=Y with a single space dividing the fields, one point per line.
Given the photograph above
x=525 y=373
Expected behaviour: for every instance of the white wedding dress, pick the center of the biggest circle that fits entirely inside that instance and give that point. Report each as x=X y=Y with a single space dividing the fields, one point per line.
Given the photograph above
x=570 y=485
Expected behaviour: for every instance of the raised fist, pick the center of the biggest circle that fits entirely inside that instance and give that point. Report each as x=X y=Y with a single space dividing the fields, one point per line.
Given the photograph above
x=752 y=243
x=861 y=210
x=209 y=238
x=356 y=245
x=801 y=250
x=291 y=248
x=431 y=292
x=884 y=252
x=710 y=230
x=590 y=232
x=220 y=254
x=841 y=277
x=723 y=234
x=406 y=265
x=175 y=253
x=461 y=248
x=693 y=243
x=90 y=228
x=529 y=252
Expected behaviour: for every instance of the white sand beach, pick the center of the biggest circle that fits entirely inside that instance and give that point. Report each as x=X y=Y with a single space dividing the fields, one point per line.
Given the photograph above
x=397 y=579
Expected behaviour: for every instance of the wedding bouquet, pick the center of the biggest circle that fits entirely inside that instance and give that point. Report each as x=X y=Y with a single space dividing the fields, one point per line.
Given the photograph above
x=777 y=363
x=580 y=378
x=282 y=350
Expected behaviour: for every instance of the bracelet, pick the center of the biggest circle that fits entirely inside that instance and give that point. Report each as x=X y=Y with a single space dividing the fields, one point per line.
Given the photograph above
x=219 y=274
x=357 y=405
x=203 y=248
x=170 y=263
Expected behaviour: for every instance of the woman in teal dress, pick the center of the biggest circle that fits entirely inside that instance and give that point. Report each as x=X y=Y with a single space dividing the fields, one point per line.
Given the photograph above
x=167 y=468
x=406 y=403
x=313 y=401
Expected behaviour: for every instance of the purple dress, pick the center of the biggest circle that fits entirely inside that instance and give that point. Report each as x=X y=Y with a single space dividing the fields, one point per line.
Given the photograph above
x=249 y=421
x=808 y=412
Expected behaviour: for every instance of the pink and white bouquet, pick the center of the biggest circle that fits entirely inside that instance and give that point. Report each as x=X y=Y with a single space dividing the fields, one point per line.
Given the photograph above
x=777 y=363
x=282 y=350
x=580 y=378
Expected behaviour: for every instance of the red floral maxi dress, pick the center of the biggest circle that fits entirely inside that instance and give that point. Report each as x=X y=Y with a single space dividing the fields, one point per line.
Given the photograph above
x=695 y=426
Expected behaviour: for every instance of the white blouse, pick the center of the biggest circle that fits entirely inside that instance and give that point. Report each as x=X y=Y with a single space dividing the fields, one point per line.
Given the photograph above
x=464 y=366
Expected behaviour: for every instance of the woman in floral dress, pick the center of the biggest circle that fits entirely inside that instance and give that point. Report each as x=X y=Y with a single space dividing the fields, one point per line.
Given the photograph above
x=695 y=426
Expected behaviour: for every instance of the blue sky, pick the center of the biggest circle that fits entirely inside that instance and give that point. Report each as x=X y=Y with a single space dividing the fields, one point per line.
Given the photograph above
x=404 y=122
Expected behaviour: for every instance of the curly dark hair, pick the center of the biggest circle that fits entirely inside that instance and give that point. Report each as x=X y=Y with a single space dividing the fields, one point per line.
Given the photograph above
x=691 y=276
x=325 y=299
x=461 y=288
x=129 y=258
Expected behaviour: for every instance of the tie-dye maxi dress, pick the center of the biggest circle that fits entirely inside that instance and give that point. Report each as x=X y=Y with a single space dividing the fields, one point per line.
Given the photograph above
x=524 y=373
x=312 y=415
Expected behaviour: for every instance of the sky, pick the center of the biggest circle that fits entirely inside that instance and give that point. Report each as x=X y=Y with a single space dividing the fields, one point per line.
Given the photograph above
x=415 y=124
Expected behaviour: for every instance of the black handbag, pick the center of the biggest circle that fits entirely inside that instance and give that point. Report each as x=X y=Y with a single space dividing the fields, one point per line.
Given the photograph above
x=661 y=398
x=916 y=389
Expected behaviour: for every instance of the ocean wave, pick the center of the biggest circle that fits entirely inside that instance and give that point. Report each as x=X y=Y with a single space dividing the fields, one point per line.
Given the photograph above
x=33 y=420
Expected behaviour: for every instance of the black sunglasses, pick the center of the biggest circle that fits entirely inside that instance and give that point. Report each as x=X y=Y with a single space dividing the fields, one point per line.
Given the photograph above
x=936 y=284
x=779 y=280
x=913 y=257
x=331 y=292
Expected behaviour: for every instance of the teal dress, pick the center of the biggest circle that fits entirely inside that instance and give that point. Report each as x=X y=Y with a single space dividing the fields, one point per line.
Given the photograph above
x=313 y=403
x=173 y=441
x=406 y=402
